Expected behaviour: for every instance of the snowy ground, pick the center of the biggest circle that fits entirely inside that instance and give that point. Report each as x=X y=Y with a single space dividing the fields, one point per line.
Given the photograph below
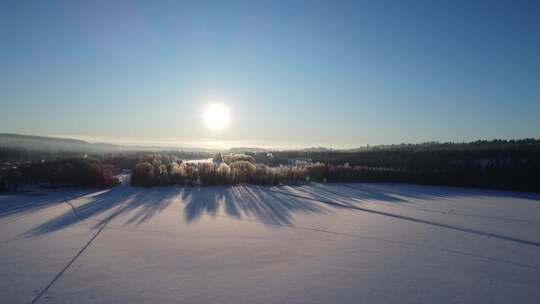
x=331 y=243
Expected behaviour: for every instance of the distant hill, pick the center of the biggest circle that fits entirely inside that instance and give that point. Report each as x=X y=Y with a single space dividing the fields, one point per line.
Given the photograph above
x=45 y=143
x=56 y=144
x=495 y=144
x=240 y=150
x=32 y=142
x=7 y=138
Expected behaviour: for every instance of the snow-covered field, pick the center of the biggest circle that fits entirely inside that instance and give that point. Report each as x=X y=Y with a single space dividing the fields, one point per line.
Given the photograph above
x=318 y=243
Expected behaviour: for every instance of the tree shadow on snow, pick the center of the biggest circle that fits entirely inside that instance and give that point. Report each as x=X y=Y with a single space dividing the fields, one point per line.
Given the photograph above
x=139 y=204
x=274 y=205
x=22 y=204
x=256 y=202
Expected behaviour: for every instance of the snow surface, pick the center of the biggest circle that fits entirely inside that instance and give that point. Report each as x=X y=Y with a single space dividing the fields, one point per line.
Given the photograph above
x=317 y=243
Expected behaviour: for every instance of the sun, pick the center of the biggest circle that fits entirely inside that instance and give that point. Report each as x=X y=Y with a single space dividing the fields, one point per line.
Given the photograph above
x=217 y=117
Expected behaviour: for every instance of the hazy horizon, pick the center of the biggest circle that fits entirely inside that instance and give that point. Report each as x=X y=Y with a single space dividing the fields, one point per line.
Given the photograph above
x=290 y=74
x=208 y=144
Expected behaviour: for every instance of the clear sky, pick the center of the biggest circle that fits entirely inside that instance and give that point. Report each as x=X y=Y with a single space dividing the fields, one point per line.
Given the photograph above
x=292 y=73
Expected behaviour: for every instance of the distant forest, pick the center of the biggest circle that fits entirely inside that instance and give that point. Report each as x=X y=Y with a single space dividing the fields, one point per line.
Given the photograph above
x=498 y=164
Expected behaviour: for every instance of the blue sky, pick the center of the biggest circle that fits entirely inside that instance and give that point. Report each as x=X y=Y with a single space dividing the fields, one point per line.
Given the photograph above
x=293 y=73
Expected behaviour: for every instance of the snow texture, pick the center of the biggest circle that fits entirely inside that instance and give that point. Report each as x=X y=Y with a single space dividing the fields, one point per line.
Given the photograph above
x=316 y=243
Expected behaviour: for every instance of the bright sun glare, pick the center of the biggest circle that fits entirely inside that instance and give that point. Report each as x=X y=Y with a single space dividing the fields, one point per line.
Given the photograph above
x=217 y=116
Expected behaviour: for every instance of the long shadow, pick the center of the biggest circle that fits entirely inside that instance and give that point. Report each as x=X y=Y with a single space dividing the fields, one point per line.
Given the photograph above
x=401 y=194
x=273 y=208
x=140 y=203
x=339 y=202
x=351 y=193
x=242 y=201
x=362 y=193
x=146 y=204
x=200 y=200
x=435 y=192
x=21 y=204
x=272 y=205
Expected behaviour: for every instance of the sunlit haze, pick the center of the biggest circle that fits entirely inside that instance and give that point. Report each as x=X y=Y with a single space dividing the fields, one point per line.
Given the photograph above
x=291 y=74
x=216 y=116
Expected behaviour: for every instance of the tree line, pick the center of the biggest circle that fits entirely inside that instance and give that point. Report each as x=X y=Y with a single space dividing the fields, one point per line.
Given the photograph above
x=499 y=164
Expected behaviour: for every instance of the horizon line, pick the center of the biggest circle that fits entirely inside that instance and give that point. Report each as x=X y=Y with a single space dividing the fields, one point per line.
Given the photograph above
x=216 y=145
